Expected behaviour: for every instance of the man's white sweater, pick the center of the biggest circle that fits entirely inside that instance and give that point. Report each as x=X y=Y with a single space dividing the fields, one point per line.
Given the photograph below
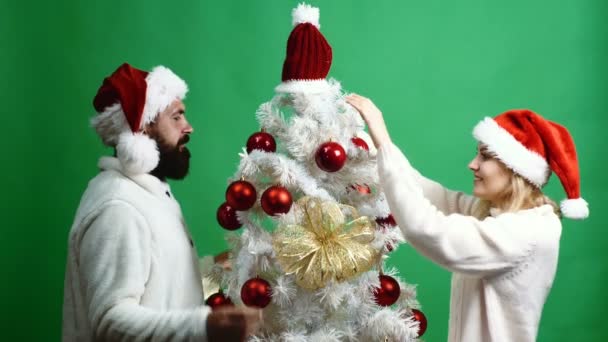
x=503 y=266
x=132 y=269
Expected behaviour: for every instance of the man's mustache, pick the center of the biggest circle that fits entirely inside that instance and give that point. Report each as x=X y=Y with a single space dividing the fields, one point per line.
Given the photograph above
x=184 y=140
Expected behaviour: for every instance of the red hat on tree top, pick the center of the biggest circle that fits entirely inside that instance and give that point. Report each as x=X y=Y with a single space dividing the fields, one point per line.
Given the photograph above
x=308 y=57
x=532 y=147
x=126 y=101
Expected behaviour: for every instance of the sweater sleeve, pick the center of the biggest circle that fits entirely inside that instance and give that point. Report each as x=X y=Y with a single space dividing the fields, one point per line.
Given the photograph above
x=460 y=243
x=448 y=201
x=115 y=260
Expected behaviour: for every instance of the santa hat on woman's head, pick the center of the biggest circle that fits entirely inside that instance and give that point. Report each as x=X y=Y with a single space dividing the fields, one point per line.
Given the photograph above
x=308 y=57
x=128 y=100
x=532 y=147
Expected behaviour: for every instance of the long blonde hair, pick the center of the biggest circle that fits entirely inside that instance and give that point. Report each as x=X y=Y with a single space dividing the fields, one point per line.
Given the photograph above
x=518 y=195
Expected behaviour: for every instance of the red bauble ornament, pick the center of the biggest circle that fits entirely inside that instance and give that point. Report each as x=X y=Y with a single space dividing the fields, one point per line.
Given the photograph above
x=226 y=216
x=362 y=189
x=218 y=299
x=360 y=143
x=261 y=141
x=388 y=292
x=330 y=156
x=276 y=200
x=388 y=221
x=241 y=195
x=256 y=292
x=421 y=318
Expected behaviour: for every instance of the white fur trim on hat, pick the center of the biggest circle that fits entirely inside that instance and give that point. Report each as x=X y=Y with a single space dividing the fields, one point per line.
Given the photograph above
x=512 y=153
x=303 y=86
x=110 y=123
x=305 y=14
x=137 y=153
x=163 y=87
x=574 y=208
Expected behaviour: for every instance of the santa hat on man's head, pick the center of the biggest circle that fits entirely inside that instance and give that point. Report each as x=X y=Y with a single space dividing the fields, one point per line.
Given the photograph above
x=532 y=147
x=128 y=100
x=308 y=57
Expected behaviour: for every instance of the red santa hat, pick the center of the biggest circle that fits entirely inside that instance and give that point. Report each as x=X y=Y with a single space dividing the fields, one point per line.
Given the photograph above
x=126 y=101
x=308 y=57
x=532 y=147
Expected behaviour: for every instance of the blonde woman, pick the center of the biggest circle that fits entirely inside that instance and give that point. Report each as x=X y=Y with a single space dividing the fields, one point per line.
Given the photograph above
x=502 y=243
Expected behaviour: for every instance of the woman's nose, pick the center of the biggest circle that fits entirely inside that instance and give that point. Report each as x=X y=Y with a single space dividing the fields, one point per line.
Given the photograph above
x=473 y=165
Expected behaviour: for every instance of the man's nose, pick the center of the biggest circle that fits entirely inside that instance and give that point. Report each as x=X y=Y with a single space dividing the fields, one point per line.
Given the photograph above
x=188 y=129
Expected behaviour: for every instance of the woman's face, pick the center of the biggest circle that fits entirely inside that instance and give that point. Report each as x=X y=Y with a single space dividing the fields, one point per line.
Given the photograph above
x=491 y=177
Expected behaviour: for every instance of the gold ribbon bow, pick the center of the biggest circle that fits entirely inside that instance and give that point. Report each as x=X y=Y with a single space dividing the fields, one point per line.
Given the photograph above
x=323 y=246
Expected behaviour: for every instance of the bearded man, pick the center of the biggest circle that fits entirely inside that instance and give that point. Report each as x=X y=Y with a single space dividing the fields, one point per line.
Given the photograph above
x=132 y=271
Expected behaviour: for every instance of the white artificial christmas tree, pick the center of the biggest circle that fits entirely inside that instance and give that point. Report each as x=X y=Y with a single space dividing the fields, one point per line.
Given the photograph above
x=315 y=225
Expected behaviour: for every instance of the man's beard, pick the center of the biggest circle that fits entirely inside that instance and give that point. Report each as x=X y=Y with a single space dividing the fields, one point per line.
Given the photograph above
x=173 y=163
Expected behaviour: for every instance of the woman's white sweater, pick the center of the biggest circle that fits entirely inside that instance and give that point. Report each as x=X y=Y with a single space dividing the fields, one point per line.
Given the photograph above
x=503 y=265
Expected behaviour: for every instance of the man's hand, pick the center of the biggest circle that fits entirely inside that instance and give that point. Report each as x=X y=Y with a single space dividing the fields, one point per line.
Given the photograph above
x=232 y=324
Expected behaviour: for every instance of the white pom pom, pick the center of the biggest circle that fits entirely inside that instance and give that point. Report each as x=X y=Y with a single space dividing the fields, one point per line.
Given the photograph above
x=574 y=208
x=305 y=13
x=137 y=153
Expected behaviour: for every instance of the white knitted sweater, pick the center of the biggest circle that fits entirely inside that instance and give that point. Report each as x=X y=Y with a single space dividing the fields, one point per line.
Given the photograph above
x=132 y=269
x=503 y=266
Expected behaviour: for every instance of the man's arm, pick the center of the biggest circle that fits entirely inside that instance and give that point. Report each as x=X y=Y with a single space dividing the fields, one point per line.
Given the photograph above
x=115 y=260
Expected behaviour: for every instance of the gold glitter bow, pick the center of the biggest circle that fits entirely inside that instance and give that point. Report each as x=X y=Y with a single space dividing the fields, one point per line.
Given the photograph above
x=323 y=246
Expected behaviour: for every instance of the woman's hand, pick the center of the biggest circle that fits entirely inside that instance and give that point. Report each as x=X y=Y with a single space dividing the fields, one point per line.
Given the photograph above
x=372 y=117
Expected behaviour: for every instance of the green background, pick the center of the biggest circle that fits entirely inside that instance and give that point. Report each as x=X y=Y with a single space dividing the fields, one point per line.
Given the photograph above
x=434 y=67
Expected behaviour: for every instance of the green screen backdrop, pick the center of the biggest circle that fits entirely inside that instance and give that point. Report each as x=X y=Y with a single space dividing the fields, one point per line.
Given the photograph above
x=434 y=67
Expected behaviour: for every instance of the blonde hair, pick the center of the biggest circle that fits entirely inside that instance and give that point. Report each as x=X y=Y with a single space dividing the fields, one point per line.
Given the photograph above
x=518 y=195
